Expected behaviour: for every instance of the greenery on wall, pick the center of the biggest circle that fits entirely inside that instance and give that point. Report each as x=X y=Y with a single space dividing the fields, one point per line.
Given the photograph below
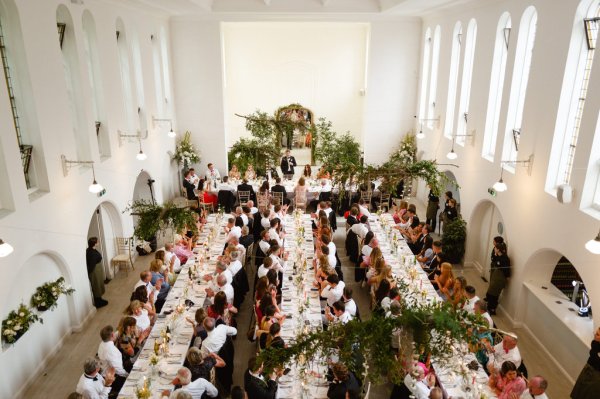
x=454 y=238
x=46 y=296
x=153 y=217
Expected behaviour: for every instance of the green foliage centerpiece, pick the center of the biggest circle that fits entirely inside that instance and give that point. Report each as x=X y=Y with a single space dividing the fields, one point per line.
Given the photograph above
x=18 y=323
x=46 y=296
x=153 y=217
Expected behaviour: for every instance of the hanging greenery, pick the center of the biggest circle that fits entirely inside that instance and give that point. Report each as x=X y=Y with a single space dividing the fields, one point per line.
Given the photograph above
x=185 y=152
x=152 y=218
x=18 y=323
x=364 y=346
x=46 y=296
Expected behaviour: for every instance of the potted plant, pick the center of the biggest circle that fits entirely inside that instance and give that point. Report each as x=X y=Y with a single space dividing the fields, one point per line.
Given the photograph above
x=453 y=240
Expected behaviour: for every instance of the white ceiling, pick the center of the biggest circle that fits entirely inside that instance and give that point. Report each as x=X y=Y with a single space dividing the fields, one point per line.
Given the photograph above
x=367 y=7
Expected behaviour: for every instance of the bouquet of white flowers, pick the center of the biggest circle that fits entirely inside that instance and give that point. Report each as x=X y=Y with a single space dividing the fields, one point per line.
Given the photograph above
x=46 y=296
x=185 y=152
x=17 y=323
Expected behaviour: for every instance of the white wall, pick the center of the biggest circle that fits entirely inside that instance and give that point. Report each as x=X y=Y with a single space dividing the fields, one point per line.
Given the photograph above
x=55 y=220
x=533 y=219
x=320 y=65
x=382 y=116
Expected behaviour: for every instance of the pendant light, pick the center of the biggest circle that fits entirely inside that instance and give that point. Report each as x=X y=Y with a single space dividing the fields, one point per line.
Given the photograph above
x=594 y=245
x=5 y=248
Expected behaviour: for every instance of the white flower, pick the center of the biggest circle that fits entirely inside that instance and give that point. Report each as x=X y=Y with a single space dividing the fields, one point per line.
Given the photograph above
x=17 y=327
x=22 y=314
x=43 y=304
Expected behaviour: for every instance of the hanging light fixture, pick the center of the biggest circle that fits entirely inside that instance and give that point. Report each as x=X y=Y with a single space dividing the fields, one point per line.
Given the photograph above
x=594 y=245
x=171 y=133
x=500 y=186
x=94 y=188
x=452 y=154
x=421 y=135
x=5 y=248
x=141 y=156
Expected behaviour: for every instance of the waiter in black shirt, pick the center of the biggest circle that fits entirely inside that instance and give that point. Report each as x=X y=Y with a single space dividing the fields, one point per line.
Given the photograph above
x=287 y=164
x=93 y=260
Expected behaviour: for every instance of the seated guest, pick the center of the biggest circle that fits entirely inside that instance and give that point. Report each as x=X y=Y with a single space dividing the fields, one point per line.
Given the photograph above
x=504 y=351
x=337 y=313
x=189 y=186
x=349 y=302
x=361 y=229
x=268 y=298
x=234 y=173
x=212 y=173
x=220 y=310
x=458 y=297
x=253 y=209
x=436 y=393
x=109 y=354
x=445 y=281
x=274 y=339
x=334 y=290
x=145 y=281
x=300 y=193
x=137 y=311
x=196 y=388
x=307 y=172
x=506 y=383
x=199 y=331
x=92 y=384
x=418 y=384
x=250 y=173
x=130 y=340
x=536 y=388
x=201 y=363
x=394 y=295
x=233 y=229
x=141 y=294
x=225 y=185
x=256 y=385
x=216 y=335
x=222 y=285
x=426 y=255
x=156 y=268
x=246 y=239
x=471 y=299
x=352 y=217
x=344 y=383
x=480 y=308
x=280 y=188
x=265 y=267
x=172 y=261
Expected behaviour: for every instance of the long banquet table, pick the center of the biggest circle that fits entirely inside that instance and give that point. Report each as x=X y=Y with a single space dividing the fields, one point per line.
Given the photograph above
x=456 y=380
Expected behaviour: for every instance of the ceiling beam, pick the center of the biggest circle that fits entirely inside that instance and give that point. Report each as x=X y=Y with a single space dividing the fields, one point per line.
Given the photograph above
x=387 y=5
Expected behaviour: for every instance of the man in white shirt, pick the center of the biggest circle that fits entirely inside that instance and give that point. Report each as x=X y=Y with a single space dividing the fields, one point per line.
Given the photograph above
x=193 y=177
x=253 y=209
x=273 y=234
x=91 y=384
x=216 y=336
x=480 y=308
x=469 y=306
x=418 y=385
x=334 y=290
x=339 y=315
x=349 y=302
x=195 y=388
x=145 y=280
x=225 y=186
x=235 y=265
x=505 y=351
x=264 y=244
x=536 y=388
x=232 y=230
x=108 y=352
x=361 y=229
x=173 y=262
x=363 y=207
x=212 y=173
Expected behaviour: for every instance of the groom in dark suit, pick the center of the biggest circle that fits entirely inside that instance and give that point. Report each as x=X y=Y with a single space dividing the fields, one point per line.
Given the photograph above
x=287 y=164
x=258 y=386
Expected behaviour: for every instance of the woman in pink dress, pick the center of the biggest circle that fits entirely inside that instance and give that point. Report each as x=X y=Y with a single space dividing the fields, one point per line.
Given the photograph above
x=506 y=383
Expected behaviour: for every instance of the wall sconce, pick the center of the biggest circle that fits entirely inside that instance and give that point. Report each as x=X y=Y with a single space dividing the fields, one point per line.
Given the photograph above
x=453 y=155
x=94 y=188
x=97 y=124
x=140 y=155
x=5 y=248
x=171 y=133
x=594 y=245
x=500 y=186
x=421 y=135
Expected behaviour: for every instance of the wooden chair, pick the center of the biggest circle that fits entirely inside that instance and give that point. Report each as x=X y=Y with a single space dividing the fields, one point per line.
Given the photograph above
x=277 y=198
x=300 y=202
x=384 y=201
x=243 y=197
x=367 y=195
x=124 y=246
x=262 y=201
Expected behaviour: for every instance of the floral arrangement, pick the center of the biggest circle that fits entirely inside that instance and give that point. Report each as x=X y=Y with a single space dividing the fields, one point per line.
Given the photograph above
x=185 y=153
x=18 y=323
x=154 y=359
x=144 y=391
x=46 y=296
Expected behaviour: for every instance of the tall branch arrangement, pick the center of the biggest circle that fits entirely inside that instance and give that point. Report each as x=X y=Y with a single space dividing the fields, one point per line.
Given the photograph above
x=153 y=218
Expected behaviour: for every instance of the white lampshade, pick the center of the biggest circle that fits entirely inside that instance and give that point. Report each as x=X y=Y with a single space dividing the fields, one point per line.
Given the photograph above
x=500 y=186
x=594 y=245
x=420 y=135
x=171 y=134
x=452 y=155
x=95 y=188
x=141 y=156
x=5 y=249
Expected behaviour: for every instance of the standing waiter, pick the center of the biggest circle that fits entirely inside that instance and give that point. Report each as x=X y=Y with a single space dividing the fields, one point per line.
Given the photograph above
x=93 y=260
x=287 y=164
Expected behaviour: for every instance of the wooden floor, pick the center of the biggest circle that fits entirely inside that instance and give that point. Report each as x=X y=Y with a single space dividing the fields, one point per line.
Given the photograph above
x=64 y=370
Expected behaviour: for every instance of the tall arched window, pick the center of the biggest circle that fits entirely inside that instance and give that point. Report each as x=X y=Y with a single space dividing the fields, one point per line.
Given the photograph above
x=465 y=88
x=158 y=83
x=123 y=53
x=90 y=44
x=70 y=58
x=425 y=74
x=496 y=86
x=453 y=79
x=435 y=60
x=518 y=87
x=139 y=83
x=573 y=94
x=166 y=70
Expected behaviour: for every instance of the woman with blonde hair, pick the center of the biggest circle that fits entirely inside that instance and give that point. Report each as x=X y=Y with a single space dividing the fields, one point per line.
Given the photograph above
x=459 y=296
x=300 y=194
x=445 y=281
x=234 y=173
x=250 y=173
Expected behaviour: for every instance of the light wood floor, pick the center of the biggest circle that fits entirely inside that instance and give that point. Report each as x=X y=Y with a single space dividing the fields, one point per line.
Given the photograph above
x=64 y=370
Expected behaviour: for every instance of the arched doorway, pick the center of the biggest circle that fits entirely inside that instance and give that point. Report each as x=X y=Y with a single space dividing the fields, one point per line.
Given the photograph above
x=105 y=224
x=452 y=186
x=485 y=223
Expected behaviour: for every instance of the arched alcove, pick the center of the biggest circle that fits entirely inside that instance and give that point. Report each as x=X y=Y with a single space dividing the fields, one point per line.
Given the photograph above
x=452 y=186
x=41 y=340
x=106 y=224
x=485 y=223
x=142 y=190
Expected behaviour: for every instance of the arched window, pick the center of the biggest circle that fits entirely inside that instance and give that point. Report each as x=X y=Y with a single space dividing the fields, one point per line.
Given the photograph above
x=573 y=94
x=166 y=70
x=453 y=79
x=90 y=45
x=518 y=87
x=123 y=53
x=158 y=76
x=465 y=88
x=496 y=86
x=590 y=197
x=66 y=42
x=139 y=83
x=435 y=60
x=425 y=74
